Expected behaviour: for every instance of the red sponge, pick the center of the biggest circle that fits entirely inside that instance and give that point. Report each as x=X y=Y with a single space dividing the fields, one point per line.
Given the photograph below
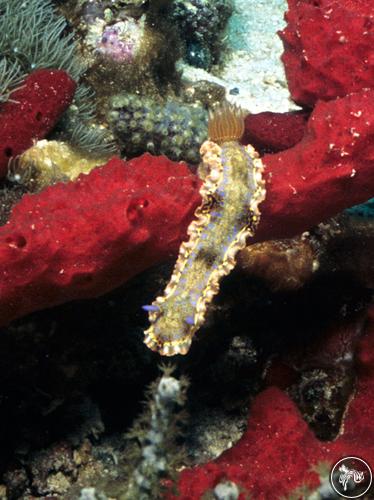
x=270 y=132
x=83 y=238
x=278 y=451
x=328 y=48
x=33 y=112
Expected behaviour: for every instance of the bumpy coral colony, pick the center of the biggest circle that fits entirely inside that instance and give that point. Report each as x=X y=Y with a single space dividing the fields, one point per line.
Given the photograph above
x=228 y=215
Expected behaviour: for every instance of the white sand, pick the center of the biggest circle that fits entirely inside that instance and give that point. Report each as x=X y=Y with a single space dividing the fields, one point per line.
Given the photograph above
x=253 y=64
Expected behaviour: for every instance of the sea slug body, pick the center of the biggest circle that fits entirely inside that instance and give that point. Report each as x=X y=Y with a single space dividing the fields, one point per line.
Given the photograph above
x=232 y=190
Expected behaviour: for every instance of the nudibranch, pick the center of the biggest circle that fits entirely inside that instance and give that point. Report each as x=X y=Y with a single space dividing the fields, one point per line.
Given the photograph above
x=228 y=215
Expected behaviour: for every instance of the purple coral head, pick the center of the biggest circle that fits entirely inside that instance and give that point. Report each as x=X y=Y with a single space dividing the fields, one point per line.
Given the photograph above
x=120 y=42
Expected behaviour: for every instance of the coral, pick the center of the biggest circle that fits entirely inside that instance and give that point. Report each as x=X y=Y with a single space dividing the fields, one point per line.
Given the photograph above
x=48 y=162
x=158 y=449
x=333 y=161
x=82 y=238
x=227 y=217
x=121 y=41
x=278 y=443
x=328 y=48
x=173 y=129
x=271 y=132
x=34 y=36
x=128 y=46
x=33 y=112
x=201 y=24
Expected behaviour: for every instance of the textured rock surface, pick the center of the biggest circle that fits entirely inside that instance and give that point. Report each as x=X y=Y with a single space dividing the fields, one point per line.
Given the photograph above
x=328 y=48
x=33 y=112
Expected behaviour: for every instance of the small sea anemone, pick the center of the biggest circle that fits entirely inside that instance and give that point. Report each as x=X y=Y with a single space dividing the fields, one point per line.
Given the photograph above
x=226 y=123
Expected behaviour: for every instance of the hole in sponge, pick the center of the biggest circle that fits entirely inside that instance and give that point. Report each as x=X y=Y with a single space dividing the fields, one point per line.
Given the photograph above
x=135 y=207
x=82 y=279
x=16 y=241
